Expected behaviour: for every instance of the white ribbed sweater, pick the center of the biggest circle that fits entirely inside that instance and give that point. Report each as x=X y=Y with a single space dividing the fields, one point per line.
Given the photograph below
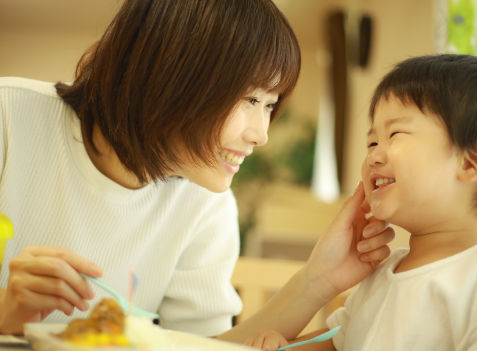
x=180 y=239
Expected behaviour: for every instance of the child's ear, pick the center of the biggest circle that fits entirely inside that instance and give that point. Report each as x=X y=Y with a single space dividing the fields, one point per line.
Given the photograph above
x=468 y=170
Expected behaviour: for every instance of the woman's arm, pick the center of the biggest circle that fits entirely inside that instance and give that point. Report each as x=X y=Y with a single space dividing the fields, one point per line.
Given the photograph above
x=335 y=265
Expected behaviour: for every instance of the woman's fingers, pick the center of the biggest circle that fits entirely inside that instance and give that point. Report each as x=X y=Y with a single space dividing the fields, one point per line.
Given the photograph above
x=79 y=263
x=58 y=288
x=47 y=266
x=375 y=226
x=377 y=241
x=376 y=256
x=30 y=301
x=29 y=272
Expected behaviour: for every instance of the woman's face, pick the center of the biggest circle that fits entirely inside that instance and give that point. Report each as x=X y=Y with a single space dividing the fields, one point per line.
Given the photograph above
x=246 y=128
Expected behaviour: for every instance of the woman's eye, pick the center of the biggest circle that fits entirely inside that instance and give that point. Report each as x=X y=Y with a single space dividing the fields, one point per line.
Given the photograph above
x=272 y=106
x=253 y=101
x=393 y=134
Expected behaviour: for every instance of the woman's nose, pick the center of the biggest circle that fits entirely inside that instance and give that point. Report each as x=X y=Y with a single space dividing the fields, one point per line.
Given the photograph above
x=257 y=132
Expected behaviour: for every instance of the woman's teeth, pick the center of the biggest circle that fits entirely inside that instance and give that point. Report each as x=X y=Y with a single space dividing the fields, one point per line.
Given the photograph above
x=231 y=158
x=383 y=181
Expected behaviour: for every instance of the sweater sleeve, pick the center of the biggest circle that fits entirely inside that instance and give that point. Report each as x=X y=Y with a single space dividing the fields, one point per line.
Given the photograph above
x=200 y=298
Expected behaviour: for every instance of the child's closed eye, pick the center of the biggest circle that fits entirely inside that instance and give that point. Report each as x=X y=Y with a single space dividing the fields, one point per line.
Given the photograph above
x=372 y=144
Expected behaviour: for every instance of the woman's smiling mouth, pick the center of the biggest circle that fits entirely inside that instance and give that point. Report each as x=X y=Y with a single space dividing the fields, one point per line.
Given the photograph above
x=231 y=158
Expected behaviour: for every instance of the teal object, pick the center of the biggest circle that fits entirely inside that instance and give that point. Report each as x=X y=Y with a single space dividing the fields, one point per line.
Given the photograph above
x=121 y=300
x=461 y=34
x=320 y=338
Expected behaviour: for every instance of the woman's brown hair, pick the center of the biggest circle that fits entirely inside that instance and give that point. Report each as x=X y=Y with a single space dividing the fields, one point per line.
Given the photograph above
x=168 y=73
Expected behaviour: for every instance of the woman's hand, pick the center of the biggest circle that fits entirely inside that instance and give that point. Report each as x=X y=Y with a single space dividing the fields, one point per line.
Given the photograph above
x=336 y=264
x=42 y=280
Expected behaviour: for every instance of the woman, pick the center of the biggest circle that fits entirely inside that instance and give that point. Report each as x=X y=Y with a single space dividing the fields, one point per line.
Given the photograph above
x=130 y=168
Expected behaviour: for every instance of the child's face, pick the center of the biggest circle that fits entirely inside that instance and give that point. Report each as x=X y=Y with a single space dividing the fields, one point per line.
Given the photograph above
x=246 y=128
x=410 y=169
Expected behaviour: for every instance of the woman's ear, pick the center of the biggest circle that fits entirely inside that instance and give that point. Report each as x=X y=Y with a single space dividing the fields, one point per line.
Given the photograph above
x=467 y=172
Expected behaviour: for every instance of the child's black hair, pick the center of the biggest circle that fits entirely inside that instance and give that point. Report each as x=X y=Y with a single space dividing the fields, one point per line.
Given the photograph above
x=445 y=85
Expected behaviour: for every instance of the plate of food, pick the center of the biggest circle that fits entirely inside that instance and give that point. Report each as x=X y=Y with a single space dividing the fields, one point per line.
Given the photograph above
x=109 y=329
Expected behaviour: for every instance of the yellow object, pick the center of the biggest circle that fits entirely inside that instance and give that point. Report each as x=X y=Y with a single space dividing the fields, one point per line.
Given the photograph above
x=101 y=339
x=6 y=232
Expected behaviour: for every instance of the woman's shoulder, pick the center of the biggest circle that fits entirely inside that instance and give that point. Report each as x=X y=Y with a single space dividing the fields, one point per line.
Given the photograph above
x=26 y=85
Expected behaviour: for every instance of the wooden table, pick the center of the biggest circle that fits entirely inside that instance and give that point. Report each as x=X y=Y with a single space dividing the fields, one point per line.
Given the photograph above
x=12 y=343
x=5 y=347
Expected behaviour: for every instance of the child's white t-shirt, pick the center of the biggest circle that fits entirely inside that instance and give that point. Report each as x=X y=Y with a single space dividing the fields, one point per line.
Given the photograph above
x=180 y=239
x=433 y=307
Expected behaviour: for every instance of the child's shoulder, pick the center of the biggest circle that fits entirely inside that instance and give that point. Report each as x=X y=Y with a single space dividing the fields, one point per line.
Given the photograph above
x=388 y=265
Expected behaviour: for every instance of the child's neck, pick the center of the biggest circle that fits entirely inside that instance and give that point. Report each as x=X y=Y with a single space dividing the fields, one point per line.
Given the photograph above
x=430 y=247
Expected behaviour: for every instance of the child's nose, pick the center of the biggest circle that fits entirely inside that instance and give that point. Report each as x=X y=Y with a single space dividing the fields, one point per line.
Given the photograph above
x=376 y=157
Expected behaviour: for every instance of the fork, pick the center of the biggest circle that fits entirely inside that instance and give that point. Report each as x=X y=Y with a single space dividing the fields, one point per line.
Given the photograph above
x=323 y=337
x=121 y=300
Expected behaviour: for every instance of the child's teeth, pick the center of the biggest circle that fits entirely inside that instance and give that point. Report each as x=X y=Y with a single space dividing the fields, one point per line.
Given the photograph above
x=384 y=181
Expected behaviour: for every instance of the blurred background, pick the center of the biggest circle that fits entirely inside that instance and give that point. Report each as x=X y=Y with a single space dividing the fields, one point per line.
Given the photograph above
x=290 y=189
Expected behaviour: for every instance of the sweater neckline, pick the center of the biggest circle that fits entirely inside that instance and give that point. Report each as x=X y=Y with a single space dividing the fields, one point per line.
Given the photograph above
x=94 y=178
x=401 y=255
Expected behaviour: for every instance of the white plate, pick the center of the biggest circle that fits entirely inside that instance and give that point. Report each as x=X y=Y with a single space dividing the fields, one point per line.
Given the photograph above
x=41 y=339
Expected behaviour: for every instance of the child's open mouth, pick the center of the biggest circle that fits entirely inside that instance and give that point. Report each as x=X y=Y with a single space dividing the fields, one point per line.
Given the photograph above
x=382 y=182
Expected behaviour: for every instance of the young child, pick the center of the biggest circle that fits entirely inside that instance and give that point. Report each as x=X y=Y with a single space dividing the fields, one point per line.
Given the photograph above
x=420 y=174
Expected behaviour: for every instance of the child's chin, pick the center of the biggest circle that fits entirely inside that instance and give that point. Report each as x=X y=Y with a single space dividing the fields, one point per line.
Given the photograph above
x=382 y=214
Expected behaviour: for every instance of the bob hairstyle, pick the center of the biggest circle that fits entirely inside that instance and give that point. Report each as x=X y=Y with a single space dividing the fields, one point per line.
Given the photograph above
x=445 y=85
x=166 y=75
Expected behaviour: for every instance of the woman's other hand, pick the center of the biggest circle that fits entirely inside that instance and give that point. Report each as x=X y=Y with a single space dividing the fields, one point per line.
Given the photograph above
x=336 y=264
x=42 y=280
